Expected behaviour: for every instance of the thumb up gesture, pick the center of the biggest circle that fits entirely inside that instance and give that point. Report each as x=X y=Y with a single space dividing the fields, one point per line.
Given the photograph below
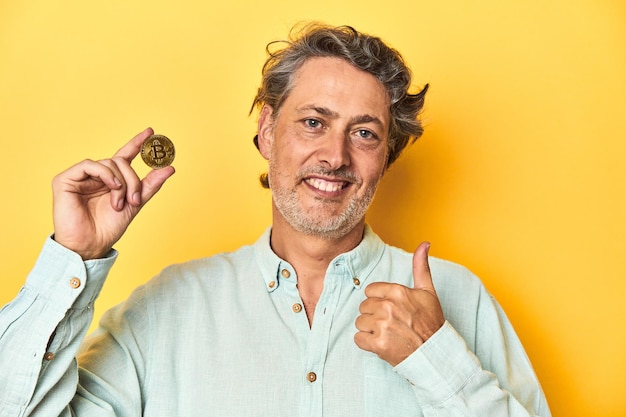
x=396 y=320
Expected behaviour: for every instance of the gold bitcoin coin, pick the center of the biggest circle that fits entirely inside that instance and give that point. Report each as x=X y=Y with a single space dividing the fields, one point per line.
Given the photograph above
x=157 y=151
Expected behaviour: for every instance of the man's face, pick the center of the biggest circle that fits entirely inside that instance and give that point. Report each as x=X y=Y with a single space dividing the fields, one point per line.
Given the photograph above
x=327 y=147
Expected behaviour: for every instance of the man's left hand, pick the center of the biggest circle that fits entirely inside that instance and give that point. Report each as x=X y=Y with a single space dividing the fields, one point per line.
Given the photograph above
x=396 y=320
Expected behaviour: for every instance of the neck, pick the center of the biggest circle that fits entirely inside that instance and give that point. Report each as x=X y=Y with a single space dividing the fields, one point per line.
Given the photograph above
x=310 y=256
x=310 y=251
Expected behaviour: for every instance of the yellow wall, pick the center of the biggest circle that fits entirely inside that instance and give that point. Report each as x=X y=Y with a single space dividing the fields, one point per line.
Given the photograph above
x=520 y=175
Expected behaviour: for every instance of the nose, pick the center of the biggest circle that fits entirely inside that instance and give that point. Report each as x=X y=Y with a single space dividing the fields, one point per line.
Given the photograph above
x=334 y=150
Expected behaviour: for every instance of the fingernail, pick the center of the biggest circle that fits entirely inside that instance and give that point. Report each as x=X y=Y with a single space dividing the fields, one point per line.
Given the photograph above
x=117 y=182
x=120 y=204
x=137 y=198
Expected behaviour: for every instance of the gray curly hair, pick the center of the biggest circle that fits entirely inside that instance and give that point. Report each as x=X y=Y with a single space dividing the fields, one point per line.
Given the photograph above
x=365 y=52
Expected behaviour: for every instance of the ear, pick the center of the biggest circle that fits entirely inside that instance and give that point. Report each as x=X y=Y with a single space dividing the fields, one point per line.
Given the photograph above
x=266 y=131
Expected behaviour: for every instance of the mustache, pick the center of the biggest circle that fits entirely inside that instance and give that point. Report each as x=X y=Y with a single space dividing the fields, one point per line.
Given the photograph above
x=341 y=173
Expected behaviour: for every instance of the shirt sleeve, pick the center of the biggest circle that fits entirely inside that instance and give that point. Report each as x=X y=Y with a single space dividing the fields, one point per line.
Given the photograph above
x=42 y=328
x=494 y=379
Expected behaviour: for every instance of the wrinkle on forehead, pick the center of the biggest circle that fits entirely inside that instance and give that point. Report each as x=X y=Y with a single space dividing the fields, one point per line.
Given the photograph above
x=329 y=78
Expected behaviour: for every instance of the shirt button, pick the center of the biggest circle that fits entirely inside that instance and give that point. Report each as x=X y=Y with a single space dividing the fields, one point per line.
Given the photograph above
x=285 y=273
x=48 y=356
x=311 y=377
x=296 y=308
x=74 y=283
x=356 y=281
x=271 y=284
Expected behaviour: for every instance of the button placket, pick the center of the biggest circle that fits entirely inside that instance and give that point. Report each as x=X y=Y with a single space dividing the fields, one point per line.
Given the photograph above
x=336 y=282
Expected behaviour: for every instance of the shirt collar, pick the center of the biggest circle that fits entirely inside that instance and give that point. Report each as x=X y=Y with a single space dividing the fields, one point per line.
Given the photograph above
x=360 y=261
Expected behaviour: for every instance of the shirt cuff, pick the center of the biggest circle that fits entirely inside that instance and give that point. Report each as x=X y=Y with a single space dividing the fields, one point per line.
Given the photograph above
x=440 y=367
x=61 y=276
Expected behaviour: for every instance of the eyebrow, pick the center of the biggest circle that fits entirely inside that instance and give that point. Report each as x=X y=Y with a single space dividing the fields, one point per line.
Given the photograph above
x=366 y=118
x=325 y=111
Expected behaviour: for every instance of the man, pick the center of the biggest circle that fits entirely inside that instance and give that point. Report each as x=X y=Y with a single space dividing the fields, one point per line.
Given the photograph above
x=317 y=318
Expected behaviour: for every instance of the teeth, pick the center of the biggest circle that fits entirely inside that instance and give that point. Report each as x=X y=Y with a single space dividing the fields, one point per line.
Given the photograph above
x=326 y=186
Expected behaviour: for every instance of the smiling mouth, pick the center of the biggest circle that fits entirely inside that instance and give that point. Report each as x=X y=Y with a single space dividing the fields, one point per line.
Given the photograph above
x=325 y=185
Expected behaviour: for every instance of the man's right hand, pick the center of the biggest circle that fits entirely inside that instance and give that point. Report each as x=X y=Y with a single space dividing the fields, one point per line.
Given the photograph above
x=95 y=201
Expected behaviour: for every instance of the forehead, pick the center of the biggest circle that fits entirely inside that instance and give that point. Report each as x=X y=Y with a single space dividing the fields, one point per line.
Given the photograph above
x=339 y=86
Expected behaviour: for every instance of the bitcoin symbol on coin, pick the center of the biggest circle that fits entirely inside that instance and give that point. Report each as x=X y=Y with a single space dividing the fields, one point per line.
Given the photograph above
x=157 y=151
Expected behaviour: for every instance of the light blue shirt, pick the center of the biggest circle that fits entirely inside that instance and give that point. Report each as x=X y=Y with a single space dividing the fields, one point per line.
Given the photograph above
x=227 y=336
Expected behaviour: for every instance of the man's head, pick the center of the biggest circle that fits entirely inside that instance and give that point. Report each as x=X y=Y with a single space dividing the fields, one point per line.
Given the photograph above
x=327 y=148
x=366 y=53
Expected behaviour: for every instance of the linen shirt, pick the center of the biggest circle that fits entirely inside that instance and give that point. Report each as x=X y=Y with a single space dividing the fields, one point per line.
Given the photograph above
x=227 y=335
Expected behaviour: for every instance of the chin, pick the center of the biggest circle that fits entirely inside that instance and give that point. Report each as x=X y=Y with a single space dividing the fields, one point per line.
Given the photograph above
x=330 y=230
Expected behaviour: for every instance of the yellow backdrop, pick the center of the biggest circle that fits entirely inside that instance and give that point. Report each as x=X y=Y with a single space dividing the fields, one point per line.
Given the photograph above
x=520 y=175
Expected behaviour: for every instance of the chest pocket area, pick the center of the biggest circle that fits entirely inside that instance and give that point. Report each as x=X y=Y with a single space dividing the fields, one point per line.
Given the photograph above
x=387 y=394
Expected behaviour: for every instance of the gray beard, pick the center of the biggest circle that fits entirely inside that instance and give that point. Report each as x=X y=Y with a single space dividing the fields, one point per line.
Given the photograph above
x=315 y=224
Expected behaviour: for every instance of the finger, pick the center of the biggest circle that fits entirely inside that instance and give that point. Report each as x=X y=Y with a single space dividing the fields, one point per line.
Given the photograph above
x=87 y=169
x=87 y=176
x=132 y=192
x=118 y=194
x=153 y=182
x=421 y=269
x=372 y=305
x=366 y=306
x=362 y=340
x=364 y=323
x=132 y=148
x=379 y=289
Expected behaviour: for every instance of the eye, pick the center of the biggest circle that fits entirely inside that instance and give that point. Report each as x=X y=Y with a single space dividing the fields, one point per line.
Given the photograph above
x=365 y=134
x=312 y=123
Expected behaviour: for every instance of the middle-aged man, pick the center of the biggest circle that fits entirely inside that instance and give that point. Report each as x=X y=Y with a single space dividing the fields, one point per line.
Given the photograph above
x=319 y=317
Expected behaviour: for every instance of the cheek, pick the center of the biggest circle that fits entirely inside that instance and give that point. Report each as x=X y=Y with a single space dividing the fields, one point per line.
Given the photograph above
x=291 y=155
x=375 y=166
